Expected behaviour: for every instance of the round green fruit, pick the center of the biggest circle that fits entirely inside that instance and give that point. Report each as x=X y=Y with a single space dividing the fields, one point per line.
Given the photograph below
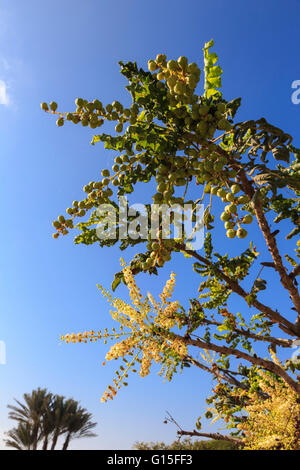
x=225 y=216
x=229 y=225
x=241 y=233
x=119 y=127
x=235 y=189
x=53 y=106
x=231 y=233
x=221 y=192
x=230 y=197
x=105 y=172
x=247 y=219
x=60 y=122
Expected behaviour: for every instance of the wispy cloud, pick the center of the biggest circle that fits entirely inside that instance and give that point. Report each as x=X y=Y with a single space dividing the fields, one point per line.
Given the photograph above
x=4 y=96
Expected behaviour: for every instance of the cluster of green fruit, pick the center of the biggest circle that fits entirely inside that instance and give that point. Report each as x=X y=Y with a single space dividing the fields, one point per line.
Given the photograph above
x=93 y=113
x=230 y=216
x=183 y=153
x=160 y=253
x=204 y=118
x=181 y=77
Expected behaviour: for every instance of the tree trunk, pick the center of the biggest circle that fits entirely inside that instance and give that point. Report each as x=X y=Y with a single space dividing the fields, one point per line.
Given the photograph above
x=54 y=441
x=67 y=441
x=45 y=443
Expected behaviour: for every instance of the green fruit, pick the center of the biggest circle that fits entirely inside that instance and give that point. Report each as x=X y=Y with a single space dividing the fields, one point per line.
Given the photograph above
x=224 y=125
x=235 y=189
x=202 y=128
x=53 y=106
x=231 y=233
x=247 y=219
x=61 y=219
x=115 y=168
x=79 y=102
x=69 y=211
x=160 y=76
x=230 y=197
x=75 y=203
x=179 y=88
x=225 y=216
x=160 y=58
x=183 y=62
x=56 y=224
x=229 y=224
x=119 y=127
x=243 y=199
x=44 y=107
x=105 y=181
x=152 y=65
x=172 y=65
x=214 y=190
x=232 y=208
x=221 y=192
x=171 y=82
x=60 y=122
x=81 y=213
x=105 y=173
x=241 y=233
x=203 y=110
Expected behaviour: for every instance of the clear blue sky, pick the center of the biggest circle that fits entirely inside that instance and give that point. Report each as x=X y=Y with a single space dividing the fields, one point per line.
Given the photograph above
x=63 y=49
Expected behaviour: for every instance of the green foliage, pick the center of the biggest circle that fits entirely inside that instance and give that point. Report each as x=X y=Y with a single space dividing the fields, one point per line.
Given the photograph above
x=181 y=138
x=186 y=444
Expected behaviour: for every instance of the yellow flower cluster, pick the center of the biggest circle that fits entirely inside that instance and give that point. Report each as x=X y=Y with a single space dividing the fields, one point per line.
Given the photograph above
x=272 y=423
x=146 y=325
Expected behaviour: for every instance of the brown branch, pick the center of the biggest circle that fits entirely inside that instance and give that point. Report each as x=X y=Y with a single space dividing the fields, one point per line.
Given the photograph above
x=284 y=324
x=264 y=363
x=217 y=436
x=295 y=272
x=218 y=373
x=270 y=239
x=284 y=343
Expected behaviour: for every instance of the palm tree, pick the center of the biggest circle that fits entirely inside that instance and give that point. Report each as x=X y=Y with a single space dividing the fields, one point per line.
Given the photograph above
x=45 y=417
x=32 y=411
x=61 y=409
x=20 y=438
x=79 y=425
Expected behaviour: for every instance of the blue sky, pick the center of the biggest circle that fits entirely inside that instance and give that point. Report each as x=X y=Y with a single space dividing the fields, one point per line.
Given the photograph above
x=60 y=50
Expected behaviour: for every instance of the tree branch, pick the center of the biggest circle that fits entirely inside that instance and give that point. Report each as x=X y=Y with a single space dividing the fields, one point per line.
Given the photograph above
x=284 y=324
x=264 y=363
x=284 y=343
x=270 y=239
x=217 y=436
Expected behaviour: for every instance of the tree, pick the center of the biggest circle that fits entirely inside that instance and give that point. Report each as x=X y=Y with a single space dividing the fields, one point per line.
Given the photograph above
x=186 y=141
x=30 y=415
x=79 y=424
x=21 y=437
x=185 y=444
x=44 y=418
